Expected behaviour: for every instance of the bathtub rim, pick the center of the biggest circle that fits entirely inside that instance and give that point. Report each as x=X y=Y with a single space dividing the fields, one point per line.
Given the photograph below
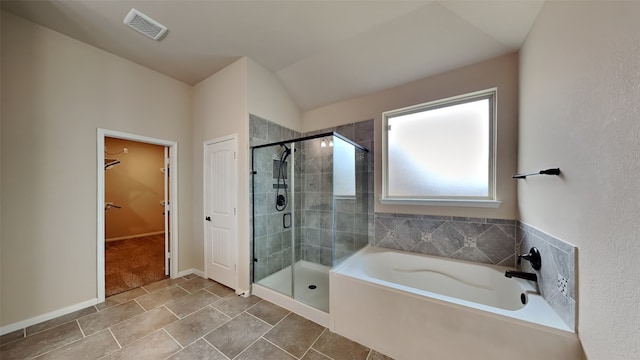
x=534 y=297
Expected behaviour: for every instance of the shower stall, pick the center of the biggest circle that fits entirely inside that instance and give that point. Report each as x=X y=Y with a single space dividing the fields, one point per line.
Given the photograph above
x=309 y=212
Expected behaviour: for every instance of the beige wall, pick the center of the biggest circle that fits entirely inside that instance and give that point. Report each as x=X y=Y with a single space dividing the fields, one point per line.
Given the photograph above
x=220 y=109
x=56 y=92
x=267 y=98
x=137 y=185
x=501 y=72
x=580 y=111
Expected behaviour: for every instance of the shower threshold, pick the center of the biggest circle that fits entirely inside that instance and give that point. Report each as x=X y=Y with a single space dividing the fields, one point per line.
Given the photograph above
x=311 y=290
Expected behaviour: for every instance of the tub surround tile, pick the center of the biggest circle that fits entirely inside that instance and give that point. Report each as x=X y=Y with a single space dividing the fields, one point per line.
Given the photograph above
x=408 y=235
x=447 y=239
x=41 y=342
x=509 y=262
x=490 y=241
x=97 y=345
x=468 y=253
x=496 y=244
x=427 y=248
x=558 y=262
x=471 y=229
x=427 y=226
x=294 y=334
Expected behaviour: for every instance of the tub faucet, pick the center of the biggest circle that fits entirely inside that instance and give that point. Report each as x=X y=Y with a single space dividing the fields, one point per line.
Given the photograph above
x=533 y=257
x=521 y=275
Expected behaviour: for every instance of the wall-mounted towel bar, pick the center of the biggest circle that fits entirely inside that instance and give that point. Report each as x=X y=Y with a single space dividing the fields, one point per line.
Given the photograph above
x=555 y=171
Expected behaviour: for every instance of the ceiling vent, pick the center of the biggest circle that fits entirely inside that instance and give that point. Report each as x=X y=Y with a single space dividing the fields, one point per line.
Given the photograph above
x=144 y=24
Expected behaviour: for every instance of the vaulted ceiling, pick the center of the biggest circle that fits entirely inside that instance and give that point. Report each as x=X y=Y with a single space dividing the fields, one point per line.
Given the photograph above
x=322 y=51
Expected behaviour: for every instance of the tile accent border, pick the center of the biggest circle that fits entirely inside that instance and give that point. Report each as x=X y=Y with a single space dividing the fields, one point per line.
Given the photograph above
x=489 y=241
x=557 y=276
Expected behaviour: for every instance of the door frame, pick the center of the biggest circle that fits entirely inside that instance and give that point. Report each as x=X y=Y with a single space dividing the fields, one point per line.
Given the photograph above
x=236 y=245
x=173 y=203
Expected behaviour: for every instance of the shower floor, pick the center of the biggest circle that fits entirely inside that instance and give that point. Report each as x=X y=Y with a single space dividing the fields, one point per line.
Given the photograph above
x=306 y=274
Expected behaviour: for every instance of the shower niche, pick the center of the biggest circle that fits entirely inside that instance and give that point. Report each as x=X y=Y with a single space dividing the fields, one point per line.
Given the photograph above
x=309 y=212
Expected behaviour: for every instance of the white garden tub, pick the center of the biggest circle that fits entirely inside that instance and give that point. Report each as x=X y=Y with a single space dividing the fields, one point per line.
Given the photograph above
x=411 y=306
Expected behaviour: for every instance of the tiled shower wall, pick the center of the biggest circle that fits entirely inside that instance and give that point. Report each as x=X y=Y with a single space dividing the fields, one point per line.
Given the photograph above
x=557 y=275
x=353 y=217
x=273 y=246
x=314 y=200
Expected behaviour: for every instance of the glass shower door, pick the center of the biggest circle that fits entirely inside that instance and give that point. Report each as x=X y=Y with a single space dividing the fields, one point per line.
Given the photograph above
x=272 y=217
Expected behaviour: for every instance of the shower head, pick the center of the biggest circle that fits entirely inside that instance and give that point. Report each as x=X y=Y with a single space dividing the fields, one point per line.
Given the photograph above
x=286 y=152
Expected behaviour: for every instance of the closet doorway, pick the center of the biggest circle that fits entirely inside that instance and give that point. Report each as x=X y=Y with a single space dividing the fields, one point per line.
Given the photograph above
x=138 y=212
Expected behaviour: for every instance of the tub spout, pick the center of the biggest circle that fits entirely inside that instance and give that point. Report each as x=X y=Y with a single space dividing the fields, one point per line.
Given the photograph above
x=521 y=275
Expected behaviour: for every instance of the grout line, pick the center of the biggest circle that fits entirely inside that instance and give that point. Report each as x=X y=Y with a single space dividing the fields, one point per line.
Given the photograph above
x=178 y=285
x=205 y=340
x=81 y=331
x=321 y=354
x=250 y=314
x=174 y=339
x=114 y=338
x=169 y=310
x=272 y=343
x=250 y=345
x=316 y=340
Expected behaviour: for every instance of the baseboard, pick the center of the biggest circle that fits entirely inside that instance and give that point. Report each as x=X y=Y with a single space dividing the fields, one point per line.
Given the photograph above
x=189 y=272
x=133 y=236
x=48 y=316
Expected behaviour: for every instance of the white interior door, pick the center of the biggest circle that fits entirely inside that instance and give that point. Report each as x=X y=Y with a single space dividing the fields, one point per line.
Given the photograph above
x=220 y=202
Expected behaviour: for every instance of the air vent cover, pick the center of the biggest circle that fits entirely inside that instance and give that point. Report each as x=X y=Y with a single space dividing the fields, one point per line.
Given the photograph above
x=144 y=24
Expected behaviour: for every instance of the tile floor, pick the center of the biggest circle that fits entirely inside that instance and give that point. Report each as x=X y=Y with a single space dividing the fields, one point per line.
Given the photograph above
x=184 y=318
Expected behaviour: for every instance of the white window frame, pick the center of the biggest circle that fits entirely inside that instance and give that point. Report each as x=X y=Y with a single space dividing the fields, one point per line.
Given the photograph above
x=489 y=201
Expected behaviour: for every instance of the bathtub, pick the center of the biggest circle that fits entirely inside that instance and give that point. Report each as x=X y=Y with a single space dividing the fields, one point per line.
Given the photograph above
x=411 y=306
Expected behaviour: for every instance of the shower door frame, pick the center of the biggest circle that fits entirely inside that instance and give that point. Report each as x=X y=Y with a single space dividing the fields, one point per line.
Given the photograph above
x=292 y=187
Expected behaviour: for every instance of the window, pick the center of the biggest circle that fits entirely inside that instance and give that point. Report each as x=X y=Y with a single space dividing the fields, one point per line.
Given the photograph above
x=441 y=153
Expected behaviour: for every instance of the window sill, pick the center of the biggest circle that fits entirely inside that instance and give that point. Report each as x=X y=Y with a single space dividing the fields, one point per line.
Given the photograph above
x=494 y=204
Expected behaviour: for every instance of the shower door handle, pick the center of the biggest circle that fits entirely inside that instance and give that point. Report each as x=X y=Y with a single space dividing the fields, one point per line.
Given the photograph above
x=286 y=224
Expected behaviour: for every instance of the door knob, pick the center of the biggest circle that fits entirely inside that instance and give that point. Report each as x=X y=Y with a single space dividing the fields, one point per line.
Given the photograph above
x=208 y=218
